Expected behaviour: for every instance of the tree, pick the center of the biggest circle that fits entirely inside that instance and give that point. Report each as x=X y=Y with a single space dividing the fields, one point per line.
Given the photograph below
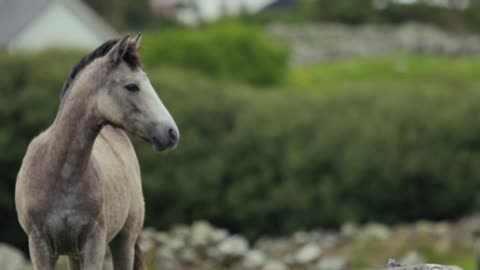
x=346 y=11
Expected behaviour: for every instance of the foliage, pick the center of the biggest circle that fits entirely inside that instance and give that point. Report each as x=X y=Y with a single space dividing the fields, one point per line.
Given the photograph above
x=127 y=14
x=357 y=12
x=346 y=11
x=370 y=140
x=135 y=14
x=226 y=50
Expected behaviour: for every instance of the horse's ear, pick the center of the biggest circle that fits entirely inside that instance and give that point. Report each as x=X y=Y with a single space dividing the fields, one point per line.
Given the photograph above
x=116 y=54
x=136 y=41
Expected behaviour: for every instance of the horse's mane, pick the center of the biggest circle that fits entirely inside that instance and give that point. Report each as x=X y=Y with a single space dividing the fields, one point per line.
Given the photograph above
x=130 y=58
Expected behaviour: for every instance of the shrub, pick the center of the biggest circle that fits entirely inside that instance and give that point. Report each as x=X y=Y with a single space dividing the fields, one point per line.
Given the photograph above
x=225 y=50
x=270 y=162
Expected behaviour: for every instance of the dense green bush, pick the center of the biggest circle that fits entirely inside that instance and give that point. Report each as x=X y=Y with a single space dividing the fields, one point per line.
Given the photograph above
x=226 y=50
x=273 y=161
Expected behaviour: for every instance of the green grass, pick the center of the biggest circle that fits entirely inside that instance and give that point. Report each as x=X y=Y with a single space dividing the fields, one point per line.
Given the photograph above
x=375 y=253
x=388 y=73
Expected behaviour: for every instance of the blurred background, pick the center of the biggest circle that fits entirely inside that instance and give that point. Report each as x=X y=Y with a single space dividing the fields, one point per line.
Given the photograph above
x=316 y=134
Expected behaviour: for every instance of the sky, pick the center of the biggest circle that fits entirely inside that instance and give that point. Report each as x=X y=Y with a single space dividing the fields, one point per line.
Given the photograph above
x=212 y=9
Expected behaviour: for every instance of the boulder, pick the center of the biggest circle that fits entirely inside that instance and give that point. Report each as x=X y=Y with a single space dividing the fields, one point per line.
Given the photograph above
x=412 y=257
x=12 y=258
x=233 y=247
x=254 y=259
x=307 y=254
x=332 y=263
x=201 y=233
x=275 y=265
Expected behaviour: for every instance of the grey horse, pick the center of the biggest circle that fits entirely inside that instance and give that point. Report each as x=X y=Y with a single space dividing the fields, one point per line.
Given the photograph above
x=79 y=191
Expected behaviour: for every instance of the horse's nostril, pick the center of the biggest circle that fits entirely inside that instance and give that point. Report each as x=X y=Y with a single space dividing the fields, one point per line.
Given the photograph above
x=172 y=134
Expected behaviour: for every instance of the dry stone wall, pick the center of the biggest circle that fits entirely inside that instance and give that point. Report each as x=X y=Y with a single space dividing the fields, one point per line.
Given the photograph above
x=316 y=43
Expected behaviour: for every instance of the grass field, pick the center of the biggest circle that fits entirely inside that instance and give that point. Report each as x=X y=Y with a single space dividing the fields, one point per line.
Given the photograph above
x=388 y=73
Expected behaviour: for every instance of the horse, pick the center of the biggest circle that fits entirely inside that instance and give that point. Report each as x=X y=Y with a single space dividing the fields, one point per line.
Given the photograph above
x=78 y=192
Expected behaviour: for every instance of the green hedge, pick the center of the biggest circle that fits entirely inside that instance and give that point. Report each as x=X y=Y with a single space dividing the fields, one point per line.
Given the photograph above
x=269 y=162
x=226 y=50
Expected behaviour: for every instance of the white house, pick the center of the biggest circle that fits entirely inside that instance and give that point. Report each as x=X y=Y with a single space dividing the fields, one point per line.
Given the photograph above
x=31 y=25
x=190 y=12
x=453 y=4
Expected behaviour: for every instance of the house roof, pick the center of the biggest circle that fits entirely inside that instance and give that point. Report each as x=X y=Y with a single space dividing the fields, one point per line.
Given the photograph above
x=279 y=4
x=16 y=14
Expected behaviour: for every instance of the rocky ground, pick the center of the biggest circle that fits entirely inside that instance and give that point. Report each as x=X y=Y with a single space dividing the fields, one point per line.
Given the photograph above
x=317 y=43
x=204 y=247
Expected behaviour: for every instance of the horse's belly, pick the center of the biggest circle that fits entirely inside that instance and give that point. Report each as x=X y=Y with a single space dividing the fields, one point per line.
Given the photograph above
x=116 y=214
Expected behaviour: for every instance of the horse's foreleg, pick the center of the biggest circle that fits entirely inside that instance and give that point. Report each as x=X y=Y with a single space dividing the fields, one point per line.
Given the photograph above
x=123 y=253
x=107 y=261
x=73 y=263
x=93 y=252
x=41 y=252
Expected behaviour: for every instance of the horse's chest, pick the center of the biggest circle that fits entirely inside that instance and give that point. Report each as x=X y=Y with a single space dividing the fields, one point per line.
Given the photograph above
x=68 y=226
x=67 y=220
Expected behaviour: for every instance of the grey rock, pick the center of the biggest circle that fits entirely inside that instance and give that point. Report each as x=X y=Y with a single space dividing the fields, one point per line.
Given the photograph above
x=412 y=257
x=219 y=235
x=332 y=263
x=161 y=238
x=233 y=247
x=277 y=247
x=12 y=258
x=147 y=241
x=424 y=227
x=468 y=230
x=425 y=267
x=254 y=259
x=301 y=238
x=349 y=230
x=393 y=263
x=180 y=232
x=308 y=254
x=375 y=231
x=201 y=233
x=274 y=265
x=187 y=256
x=166 y=254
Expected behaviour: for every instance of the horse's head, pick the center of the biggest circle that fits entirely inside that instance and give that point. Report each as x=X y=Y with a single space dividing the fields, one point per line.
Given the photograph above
x=127 y=99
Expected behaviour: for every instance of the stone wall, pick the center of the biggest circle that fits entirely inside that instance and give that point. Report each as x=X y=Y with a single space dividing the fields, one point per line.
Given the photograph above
x=315 y=43
x=202 y=246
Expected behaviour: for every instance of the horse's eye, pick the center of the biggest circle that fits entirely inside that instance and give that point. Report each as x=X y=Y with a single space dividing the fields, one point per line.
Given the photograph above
x=132 y=87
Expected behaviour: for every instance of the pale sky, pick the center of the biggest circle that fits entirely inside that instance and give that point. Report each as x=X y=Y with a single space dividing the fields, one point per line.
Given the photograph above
x=212 y=9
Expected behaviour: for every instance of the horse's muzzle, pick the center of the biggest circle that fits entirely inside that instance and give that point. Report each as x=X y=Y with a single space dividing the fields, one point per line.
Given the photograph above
x=165 y=138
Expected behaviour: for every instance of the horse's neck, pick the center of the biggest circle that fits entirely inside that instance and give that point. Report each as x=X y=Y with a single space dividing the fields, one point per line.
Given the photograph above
x=72 y=137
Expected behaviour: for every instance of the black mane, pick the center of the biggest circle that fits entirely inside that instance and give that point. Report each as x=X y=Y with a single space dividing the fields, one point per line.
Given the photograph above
x=130 y=58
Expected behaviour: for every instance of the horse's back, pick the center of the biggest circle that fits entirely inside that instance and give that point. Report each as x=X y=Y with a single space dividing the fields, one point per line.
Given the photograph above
x=116 y=160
